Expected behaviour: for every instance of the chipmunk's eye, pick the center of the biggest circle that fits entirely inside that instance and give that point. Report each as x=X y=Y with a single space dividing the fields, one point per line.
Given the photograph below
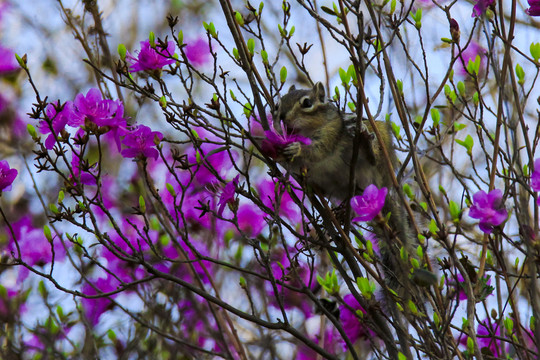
x=306 y=102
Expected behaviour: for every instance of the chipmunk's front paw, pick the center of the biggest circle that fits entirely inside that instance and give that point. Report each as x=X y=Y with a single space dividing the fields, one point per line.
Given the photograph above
x=292 y=151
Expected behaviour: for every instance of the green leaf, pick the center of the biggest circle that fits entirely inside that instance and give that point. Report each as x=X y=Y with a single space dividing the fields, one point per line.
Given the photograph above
x=291 y=32
x=520 y=74
x=180 y=37
x=142 y=204
x=239 y=18
x=283 y=74
x=458 y=126
x=393 y=4
x=345 y=77
x=54 y=208
x=31 y=130
x=242 y=282
x=47 y=233
x=163 y=102
x=236 y=54
x=152 y=39
x=61 y=196
x=122 y=51
x=352 y=73
x=366 y=287
x=412 y=307
x=473 y=67
x=420 y=252
x=21 y=61
x=251 y=46
x=417 y=17
x=468 y=144
x=435 y=116
x=436 y=319
x=461 y=88
x=111 y=335
x=369 y=248
x=399 y=84
x=535 y=51
x=455 y=211
x=401 y=356
x=264 y=56
x=509 y=325
x=408 y=191
x=475 y=98
x=329 y=282
x=351 y=106
x=433 y=228
x=396 y=129
x=170 y=189
x=248 y=110
x=470 y=344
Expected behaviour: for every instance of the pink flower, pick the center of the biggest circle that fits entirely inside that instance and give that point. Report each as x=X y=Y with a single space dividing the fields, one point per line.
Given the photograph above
x=85 y=177
x=369 y=204
x=352 y=325
x=227 y=195
x=92 y=107
x=198 y=52
x=57 y=121
x=8 y=63
x=250 y=220
x=95 y=307
x=7 y=175
x=149 y=58
x=480 y=8
x=141 y=141
x=535 y=177
x=534 y=9
x=277 y=141
x=102 y=112
x=489 y=208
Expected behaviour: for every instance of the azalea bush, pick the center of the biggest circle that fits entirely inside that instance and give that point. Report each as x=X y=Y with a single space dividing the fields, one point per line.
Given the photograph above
x=146 y=211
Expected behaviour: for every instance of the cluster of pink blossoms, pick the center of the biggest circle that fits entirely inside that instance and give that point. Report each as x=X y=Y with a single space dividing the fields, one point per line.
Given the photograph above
x=91 y=110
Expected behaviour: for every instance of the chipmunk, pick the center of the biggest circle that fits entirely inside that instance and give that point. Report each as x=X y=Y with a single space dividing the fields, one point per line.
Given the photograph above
x=326 y=161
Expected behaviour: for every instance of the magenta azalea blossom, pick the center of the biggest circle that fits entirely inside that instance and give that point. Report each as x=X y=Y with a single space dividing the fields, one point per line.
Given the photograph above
x=481 y=6
x=535 y=177
x=141 y=141
x=369 y=204
x=8 y=63
x=92 y=107
x=198 y=52
x=59 y=120
x=277 y=141
x=7 y=175
x=227 y=195
x=352 y=325
x=489 y=208
x=149 y=58
x=95 y=307
x=102 y=112
x=86 y=177
x=534 y=9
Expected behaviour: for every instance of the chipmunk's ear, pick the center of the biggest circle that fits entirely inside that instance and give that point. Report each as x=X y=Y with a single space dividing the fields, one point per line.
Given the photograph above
x=291 y=89
x=320 y=93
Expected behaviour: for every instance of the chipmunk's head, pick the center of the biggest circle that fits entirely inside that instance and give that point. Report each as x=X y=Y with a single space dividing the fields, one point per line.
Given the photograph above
x=304 y=111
